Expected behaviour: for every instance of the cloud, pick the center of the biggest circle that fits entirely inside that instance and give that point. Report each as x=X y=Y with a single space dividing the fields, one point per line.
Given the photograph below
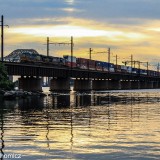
x=124 y=13
x=77 y=31
x=155 y=29
x=125 y=24
x=92 y=9
x=70 y=1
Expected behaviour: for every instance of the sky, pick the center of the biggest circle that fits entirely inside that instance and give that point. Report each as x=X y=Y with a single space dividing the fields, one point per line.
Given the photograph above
x=126 y=26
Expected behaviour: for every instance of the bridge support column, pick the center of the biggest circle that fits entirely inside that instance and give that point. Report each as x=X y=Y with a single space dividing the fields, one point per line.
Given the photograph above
x=30 y=84
x=125 y=84
x=114 y=84
x=99 y=84
x=10 y=78
x=150 y=85
x=60 y=84
x=135 y=85
x=82 y=85
x=155 y=84
x=143 y=84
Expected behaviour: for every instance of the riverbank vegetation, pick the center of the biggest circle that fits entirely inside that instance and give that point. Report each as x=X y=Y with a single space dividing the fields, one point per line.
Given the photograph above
x=5 y=83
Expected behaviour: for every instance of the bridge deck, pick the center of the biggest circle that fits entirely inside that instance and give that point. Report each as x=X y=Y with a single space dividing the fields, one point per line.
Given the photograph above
x=22 y=69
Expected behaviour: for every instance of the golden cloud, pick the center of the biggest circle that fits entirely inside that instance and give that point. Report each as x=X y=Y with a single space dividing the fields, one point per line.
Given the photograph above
x=141 y=40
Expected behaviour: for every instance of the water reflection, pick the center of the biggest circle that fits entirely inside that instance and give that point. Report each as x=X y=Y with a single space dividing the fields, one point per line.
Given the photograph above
x=83 y=126
x=83 y=99
x=61 y=100
x=2 y=133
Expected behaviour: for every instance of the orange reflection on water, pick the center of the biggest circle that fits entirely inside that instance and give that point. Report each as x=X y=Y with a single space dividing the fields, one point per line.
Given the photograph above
x=126 y=128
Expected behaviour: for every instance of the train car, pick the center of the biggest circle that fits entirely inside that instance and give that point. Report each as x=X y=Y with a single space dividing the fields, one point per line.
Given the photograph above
x=58 y=61
x=111 y=67
x=46 y=59
x=157 y=74
x=150 y=73
x=99 y=65
x=27 y=57
x=82 y=63
x=70 y=61
x=142 y=72
x=117 y=68
x=134 y=70
x=37 y=58
x=129 y=69
x=105 y=66
x=92 y=64
x=123 y=69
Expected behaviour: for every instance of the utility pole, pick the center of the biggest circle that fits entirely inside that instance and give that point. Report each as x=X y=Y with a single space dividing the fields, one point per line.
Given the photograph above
x=116 y=60
x=62 y=43
x=47 y=78
x=90 y=53
x=158 y=67
x=90 y=57
x=109 y=53
x=47 y=46
x=2 y=37
x=131 y=60
x=139 y=63
x=134 y=64
x=147 y=67
x=71 y=52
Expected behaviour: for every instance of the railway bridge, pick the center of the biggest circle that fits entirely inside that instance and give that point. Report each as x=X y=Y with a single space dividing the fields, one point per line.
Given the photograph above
x=31 y=78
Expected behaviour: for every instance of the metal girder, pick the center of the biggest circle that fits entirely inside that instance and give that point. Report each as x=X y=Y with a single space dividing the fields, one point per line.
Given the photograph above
x=48 y=71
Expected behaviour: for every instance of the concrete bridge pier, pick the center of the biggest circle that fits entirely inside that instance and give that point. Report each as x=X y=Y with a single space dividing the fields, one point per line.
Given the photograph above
x=99 y=85
x=150 y=85
x=125 y=84
x=155 y=84
x=143 y=84
x=82 y=85
x=10 y=77
x=135 y=85
x=60 y=84
x=114 y=84
x=30 y=84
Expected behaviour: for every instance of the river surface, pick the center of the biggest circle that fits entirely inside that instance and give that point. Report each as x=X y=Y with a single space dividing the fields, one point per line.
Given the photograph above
x=116 y=125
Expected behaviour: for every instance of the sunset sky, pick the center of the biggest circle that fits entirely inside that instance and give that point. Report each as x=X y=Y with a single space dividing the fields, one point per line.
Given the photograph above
x=126 y=26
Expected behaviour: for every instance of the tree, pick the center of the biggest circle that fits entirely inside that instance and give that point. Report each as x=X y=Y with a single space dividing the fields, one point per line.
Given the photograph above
x=5 y=83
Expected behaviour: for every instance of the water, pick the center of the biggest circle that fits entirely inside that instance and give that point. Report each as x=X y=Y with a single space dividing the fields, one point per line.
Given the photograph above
x=83 y=126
